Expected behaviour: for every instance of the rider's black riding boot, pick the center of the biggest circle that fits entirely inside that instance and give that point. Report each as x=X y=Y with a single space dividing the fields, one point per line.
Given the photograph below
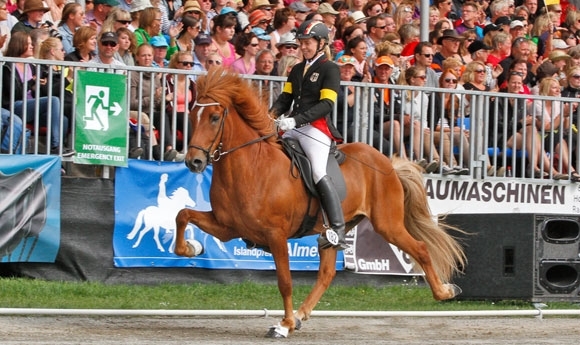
x=331 y=204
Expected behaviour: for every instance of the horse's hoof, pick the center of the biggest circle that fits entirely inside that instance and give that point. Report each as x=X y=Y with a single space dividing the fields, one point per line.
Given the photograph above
x=277 y=332
x=454 y=289
x=195 y=247
x=298 y=323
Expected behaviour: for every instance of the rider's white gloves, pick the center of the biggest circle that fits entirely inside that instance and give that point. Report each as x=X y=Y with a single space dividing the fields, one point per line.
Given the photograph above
x=286 y=124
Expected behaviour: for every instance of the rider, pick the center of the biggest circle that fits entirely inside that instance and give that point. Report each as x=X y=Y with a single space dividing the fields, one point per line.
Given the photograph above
x=313 y=86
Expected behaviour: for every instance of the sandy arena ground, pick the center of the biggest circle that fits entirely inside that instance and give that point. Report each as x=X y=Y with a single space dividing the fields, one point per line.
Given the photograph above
x=318 y=330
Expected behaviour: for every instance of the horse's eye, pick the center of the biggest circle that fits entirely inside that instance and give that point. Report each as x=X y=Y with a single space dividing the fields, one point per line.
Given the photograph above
x=214 y=118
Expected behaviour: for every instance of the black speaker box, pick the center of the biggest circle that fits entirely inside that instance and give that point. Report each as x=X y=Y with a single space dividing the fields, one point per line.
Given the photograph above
x=533 y=257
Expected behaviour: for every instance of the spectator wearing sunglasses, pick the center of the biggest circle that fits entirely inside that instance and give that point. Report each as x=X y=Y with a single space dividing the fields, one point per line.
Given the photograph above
x=424 y=53
x=108 y=47
x=376 y=30
x=288 y=46
x=247 y=46
x=117 y=18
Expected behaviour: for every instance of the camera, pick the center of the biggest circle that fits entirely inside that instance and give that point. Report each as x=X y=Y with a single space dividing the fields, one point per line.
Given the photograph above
x=51 y=29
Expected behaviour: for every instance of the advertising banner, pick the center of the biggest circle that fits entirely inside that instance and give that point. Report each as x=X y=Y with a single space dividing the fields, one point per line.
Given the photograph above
x=101 y=119
x=148 y=196
x=29 y=208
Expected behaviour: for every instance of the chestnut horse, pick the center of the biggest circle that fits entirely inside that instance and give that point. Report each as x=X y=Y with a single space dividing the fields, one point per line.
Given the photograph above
x=255 y=194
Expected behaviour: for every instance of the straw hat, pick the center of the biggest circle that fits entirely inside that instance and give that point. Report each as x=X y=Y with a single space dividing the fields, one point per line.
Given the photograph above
x=140 y=5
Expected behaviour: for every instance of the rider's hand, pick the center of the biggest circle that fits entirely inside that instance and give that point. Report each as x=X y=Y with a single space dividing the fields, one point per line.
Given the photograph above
x=286 y=124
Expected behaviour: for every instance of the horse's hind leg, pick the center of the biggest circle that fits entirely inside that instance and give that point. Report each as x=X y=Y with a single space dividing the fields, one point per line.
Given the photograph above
x=398 y=235
x=326 y=274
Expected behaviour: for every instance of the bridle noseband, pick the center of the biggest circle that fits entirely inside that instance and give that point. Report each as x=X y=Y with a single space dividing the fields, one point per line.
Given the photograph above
x=218 y=153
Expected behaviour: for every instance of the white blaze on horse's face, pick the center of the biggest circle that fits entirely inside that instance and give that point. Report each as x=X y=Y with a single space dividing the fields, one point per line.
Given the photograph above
x=199 y=112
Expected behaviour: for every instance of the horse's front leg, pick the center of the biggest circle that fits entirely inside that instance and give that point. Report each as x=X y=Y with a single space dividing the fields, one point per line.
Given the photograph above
x=326 y=274
x=279 y=250
x=206 y=221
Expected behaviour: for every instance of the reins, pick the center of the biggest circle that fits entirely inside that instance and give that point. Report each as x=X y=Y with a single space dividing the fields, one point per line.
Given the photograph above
x=218 y=153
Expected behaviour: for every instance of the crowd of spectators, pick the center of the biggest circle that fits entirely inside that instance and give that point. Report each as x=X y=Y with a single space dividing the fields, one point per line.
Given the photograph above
x=512 y=46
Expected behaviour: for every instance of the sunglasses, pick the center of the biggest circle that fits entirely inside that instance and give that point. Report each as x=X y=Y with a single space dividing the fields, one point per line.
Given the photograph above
x=289 y=46
x=381 y=27
x=449 y=80
x=396 y=55
x=576 y=76
x=214 y=62
x=479 y=71
x=254 y=44
x=124 y=22
x=186 y=63
x=262 y=22
x=470 y=39
x=423 y=77
x=109 y=44
x=519 y=74
x=428 y=55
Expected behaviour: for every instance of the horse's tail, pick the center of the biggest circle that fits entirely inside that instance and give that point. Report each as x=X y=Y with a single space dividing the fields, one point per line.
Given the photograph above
x=138 y=223
x=446 y=253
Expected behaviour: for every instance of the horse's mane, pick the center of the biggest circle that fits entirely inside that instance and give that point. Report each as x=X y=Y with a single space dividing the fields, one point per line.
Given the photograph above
x=230 y=90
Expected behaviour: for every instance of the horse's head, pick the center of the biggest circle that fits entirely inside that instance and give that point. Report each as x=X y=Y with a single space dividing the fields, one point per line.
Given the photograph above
x=181 y=195
x=228 y=115
x=208 y=121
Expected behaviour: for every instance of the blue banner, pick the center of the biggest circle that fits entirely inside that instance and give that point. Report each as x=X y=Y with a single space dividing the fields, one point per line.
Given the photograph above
x=29 y=208
x=148 y=196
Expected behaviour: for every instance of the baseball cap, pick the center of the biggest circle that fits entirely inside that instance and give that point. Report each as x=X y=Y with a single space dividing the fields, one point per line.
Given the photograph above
x=298 y=6
x=261 y=34
x=516 y=23
x=202 y=39
x=108 y=36
x=477 y=46
x=346 y=60
x=491 y=27
x=158 y=42
x=384 y=60
x=504 y=20
x=326 y=8
x=106 y=2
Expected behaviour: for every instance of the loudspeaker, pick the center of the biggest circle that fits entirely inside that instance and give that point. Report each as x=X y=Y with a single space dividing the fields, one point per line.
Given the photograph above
x=519 y=256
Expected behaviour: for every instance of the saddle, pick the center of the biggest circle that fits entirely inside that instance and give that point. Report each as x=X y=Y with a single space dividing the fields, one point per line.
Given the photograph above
x=22 y=208
x=299 y=160
x=302 y=163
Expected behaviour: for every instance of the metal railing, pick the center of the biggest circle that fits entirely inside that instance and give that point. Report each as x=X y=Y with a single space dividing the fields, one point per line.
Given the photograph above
x=481 y=145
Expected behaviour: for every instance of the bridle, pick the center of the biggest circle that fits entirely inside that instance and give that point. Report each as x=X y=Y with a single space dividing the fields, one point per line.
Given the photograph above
x=218 y=153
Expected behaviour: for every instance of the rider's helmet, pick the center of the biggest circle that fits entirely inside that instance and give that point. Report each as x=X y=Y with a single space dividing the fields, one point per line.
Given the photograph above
x=314 y=29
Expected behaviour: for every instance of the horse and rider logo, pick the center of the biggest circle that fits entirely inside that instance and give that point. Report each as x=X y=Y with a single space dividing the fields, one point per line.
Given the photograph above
x=162 y=216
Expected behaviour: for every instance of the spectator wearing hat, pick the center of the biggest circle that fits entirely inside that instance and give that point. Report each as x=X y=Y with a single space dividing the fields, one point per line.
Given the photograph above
x=479 y=52
x=108 y=46
x=247 y=46
x=73 y=17
x=376 y=30
x=328 y=14
x=287 y=46
x=518 y=29
x=137 y=6
x=263 y=38
x=359 y=19
x=300 y=10
x=159 y=44
x=201 y=52
x=504 y=23
x=469 y=20
x=31 y=18
x=265 y=7
x=192 y=9
x=284 y=22
x=520 y=50
x=449 y=43
x=100 y=11
x=258 y=19
x=560 y=59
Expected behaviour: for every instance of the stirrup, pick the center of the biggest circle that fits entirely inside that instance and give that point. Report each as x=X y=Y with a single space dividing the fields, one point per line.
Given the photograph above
x=331 y=239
